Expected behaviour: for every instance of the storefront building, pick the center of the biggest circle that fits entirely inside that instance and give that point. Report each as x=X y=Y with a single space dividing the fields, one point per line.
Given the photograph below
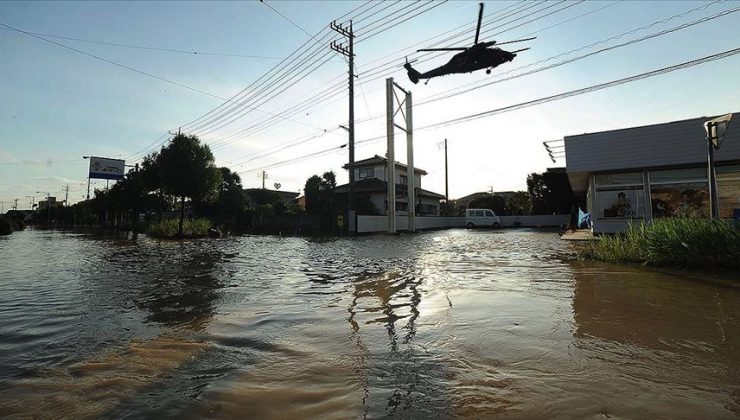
x=638 y=174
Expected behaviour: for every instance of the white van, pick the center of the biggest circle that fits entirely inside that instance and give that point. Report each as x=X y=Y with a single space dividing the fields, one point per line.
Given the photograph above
x=482 y=218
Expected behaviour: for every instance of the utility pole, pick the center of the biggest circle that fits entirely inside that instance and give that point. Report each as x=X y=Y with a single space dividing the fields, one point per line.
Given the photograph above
x=15 y=204
x=410 y=169
x=390 y=176
x=263 y=179
x=66 y=196
x=391 y=111
x=348 y=52
x=447 y=185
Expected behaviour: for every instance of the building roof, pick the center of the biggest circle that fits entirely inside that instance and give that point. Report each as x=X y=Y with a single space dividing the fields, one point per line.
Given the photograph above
x=380 y=160
x=656 y=145
x=377 y=185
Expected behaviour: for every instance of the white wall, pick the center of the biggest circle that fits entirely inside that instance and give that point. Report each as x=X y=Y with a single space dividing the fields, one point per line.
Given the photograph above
x=368 y=224
x=546 y=220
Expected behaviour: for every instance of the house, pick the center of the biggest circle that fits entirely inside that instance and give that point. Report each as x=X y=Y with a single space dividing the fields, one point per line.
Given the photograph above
x=371 y=183
x=653 y=171
x=258 y=196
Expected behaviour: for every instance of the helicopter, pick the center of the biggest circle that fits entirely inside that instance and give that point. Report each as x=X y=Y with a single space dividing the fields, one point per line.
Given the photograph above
x=476 y=57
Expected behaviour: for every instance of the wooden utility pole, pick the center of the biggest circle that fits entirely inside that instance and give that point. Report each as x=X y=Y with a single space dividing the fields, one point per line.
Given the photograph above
x=264 y=174
x=349 y=53
x=66 y=196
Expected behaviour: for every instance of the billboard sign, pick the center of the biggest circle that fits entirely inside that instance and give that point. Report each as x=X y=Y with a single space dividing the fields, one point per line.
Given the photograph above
x=103 y=168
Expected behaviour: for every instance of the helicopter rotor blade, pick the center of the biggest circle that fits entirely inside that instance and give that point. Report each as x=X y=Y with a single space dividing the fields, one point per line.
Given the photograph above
x=443 y=49
x=518 y=51
x=480 y=19
x=517 y=40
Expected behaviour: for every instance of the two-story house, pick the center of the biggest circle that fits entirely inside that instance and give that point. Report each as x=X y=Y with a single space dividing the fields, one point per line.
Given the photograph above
x=371 y=183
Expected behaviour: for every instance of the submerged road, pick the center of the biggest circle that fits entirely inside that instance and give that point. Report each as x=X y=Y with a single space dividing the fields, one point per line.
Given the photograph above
x=439 y=324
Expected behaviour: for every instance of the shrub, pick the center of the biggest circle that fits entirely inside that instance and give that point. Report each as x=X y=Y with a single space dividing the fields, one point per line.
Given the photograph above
x=676 y=242
x=6 y=227
x=191 y=228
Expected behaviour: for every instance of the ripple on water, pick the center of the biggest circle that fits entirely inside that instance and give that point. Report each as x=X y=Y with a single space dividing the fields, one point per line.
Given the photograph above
x=438 y=324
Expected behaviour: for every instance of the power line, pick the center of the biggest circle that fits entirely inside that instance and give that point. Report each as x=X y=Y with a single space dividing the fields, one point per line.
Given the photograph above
x=521 y=105
x=339 y=89
x=242 y=113
x=624 y=44
x=115 y=63
x=588 y=89
x=287 y=18
x=263 y=76
x=311 y=101
x=144 y=47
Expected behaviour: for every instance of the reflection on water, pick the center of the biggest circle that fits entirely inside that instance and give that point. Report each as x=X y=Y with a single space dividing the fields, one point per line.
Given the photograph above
x=438 y=324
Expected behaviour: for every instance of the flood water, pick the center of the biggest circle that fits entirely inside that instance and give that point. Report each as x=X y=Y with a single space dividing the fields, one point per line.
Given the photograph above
x=440 y=324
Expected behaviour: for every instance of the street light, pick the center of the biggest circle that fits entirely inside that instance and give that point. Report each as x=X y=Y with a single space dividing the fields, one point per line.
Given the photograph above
x=716 y=130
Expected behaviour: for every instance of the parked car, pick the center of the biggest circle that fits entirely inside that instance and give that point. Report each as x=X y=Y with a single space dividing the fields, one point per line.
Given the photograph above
x=481 y=218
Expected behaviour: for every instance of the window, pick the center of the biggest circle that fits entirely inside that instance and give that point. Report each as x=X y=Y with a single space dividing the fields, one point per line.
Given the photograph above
x=489 y=213
x=366 y=173
x=728 y=190
x=620 y=202
x=619 y=196
x=428 y=209
x=679 y=192
x=402 y=206
x=404 y=180
x=479 y=213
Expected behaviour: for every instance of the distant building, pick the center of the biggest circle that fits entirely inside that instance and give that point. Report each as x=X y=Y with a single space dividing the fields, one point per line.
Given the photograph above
x=371 y=181
x=51 y=201
x=653 y=171
x=258 y=196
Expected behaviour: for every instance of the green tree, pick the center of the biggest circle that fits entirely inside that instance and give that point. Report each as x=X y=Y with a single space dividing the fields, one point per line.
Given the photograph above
x=550 y=193
x=312 y=191
x=519 y=204
x=490 y=201
x=186 y=169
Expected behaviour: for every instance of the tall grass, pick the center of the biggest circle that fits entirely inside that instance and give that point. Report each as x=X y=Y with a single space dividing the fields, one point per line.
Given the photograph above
x=191 y=228
x=673 y=242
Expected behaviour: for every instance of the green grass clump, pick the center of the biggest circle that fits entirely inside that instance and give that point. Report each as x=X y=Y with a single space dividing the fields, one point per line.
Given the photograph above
x=673 y=242
x=191 y=228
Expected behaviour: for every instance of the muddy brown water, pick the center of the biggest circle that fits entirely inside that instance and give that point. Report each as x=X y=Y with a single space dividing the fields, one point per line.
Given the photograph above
x=440 y=324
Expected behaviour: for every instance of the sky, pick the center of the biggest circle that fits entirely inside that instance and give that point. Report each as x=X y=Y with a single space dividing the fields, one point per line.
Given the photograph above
x=57 y=104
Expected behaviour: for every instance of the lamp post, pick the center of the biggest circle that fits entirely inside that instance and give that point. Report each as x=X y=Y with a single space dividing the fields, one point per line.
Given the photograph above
x=88 y=178
x=716 y=130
